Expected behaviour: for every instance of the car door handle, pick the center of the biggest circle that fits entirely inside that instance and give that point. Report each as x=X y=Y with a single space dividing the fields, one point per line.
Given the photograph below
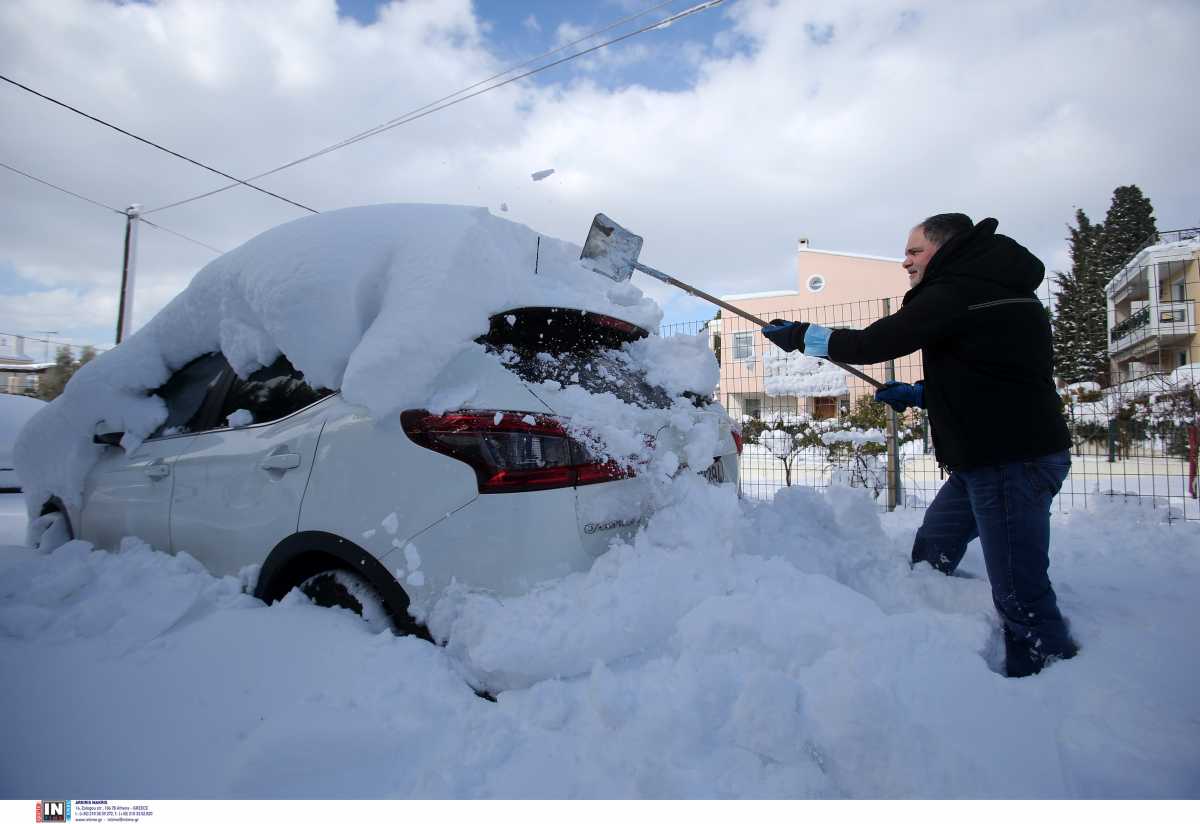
x=283 y=461
x=158 y=470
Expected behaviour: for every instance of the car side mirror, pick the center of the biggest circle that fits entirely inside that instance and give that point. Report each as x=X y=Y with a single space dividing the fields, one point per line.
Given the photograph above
x=107 y=435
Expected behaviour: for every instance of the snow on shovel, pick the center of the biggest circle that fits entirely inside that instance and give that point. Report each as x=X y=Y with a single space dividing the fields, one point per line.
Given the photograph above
x=612 y=251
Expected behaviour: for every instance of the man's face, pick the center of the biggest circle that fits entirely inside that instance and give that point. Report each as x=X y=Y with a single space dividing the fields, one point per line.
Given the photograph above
x=917 y=253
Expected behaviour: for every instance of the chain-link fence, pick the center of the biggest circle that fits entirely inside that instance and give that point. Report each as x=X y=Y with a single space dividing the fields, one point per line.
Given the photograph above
x=1133 y=420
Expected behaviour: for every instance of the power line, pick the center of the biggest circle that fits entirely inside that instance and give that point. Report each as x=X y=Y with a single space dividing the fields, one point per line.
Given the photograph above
x=64 y=191
x=460 y=96
x=120 y=212
x=152 y=143
x=181 y=235
x=51 y=342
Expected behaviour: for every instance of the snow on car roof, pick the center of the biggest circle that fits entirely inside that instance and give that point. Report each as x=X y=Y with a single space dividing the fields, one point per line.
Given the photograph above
x=372 y=300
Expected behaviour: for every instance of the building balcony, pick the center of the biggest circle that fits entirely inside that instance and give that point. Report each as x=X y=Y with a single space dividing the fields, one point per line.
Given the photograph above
x=1154 y=325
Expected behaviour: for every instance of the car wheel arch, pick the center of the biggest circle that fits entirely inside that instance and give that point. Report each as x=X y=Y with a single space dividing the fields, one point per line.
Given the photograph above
x=303 y=554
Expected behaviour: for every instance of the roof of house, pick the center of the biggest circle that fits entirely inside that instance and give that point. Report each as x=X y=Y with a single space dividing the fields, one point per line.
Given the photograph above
x=779 y=293
x=809 y=250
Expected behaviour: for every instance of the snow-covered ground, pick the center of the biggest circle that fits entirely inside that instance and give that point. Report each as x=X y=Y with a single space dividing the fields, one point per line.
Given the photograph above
x=736 y=649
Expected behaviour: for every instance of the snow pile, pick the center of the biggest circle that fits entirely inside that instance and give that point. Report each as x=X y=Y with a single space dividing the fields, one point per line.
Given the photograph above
x=855 y=437
x=794 y=373
x=730 y=650
x=373 y=300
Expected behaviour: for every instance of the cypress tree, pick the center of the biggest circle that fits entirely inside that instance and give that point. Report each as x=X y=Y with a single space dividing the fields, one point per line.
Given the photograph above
x=1128 y=228
x=1080 y=319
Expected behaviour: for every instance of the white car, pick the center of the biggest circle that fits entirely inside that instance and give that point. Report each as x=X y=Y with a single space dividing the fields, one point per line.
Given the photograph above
x=15 y=410
x=380 y=516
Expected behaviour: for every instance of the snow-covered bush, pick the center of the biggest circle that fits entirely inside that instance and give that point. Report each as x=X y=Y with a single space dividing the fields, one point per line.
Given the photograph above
x=1151 y=413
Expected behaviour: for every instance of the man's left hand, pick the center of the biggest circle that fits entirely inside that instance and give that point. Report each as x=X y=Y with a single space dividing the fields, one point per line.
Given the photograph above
x=787 y=335
x=809 y=338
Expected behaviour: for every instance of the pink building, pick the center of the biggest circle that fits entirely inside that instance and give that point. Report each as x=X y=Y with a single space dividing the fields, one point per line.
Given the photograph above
x=836 y=289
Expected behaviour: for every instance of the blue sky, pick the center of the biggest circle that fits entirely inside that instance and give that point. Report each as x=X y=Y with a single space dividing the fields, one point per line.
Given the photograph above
x=519 y=31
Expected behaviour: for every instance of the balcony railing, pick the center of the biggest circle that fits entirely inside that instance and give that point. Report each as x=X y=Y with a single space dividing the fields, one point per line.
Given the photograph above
x=1131 y=324
x=1128 y=273
x=1173 y=236
x=1174 y=318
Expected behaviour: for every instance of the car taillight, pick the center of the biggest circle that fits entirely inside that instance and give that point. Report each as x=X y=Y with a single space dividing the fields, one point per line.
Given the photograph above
x=737 y=440
x=510 y=451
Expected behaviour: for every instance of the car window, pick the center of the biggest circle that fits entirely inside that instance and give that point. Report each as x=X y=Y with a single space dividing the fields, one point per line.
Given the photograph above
x=269 y=394
x=186 y=392
x=573 y=347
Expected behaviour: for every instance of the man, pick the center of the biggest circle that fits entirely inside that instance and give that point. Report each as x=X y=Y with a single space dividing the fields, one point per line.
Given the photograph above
x=993 y=409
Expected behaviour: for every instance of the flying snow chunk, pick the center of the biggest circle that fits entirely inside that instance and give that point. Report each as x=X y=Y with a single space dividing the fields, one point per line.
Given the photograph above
x=542 y=174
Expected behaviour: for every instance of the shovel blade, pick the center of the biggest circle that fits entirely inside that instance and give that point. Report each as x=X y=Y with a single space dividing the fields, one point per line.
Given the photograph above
x=610 y=249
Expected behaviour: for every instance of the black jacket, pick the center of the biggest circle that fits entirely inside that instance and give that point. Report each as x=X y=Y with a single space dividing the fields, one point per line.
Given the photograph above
x=985 y=342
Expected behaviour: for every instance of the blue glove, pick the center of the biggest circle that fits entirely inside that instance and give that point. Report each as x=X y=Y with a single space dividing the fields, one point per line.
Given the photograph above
x=790 y=336
x=900 y=396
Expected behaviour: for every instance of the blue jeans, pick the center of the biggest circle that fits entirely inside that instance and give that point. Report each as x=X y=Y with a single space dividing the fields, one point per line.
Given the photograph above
x=1007 y=506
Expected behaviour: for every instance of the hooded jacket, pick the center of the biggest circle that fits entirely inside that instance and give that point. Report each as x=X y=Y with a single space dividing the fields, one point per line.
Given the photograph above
x=985 y=344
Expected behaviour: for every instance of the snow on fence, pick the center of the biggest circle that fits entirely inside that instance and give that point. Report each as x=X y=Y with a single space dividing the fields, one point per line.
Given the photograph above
x=1135 y=427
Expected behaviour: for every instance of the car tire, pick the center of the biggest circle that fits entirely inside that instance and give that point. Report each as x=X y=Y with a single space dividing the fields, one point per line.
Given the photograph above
x=49 y=532
x=343 y=588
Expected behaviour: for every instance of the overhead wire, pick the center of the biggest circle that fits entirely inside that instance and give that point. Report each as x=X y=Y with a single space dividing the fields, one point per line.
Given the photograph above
x=61 y=189
x=461 y=96
x=120 y=212
x=172 y=152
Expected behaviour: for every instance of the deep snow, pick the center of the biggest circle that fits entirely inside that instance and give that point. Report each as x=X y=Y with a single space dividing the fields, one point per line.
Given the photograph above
x=735 y=649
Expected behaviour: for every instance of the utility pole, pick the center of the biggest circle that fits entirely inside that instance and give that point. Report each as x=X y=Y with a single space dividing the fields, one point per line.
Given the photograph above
x=894 y=492
x=128 y=268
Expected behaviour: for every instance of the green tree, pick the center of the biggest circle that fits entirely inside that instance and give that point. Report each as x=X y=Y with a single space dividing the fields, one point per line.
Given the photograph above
x=1080 y=321
x=1098 y=251
x=1128 y=228
x=54 y=381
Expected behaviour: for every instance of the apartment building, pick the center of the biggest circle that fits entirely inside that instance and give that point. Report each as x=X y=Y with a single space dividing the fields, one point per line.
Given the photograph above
x=19 y=372
x=832 y=288
x=1152 y=308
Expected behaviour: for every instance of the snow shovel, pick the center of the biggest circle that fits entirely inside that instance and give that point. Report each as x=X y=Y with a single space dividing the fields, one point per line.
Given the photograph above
x=612 y=250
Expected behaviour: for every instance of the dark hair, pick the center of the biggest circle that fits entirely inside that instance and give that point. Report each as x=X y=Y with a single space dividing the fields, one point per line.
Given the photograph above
x=940 y=228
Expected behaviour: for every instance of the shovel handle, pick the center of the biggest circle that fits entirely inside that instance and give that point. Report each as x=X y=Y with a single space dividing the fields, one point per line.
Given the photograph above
x=692 y=290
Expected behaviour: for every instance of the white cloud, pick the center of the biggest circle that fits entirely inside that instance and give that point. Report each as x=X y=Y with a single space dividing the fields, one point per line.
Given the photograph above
x=1019 y=110
x=531 y=23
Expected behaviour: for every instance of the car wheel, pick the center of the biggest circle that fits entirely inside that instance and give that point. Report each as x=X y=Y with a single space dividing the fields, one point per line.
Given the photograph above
x=342 y=588
x=49 y=532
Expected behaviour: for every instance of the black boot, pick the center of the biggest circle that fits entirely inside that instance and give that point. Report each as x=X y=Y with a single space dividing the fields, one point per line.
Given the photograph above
x=1023 y=658
x=1020 y=657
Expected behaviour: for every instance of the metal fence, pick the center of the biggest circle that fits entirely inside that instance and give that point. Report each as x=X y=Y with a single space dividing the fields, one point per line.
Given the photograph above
x=1134 y=421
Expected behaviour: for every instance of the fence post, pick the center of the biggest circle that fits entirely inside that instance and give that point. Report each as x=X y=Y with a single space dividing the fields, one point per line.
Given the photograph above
x=893 y=453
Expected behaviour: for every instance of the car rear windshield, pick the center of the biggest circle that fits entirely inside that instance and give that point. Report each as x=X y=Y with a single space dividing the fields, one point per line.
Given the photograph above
x=571 y=346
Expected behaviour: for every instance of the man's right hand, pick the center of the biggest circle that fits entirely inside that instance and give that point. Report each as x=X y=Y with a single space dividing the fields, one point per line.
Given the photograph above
x=900 y=396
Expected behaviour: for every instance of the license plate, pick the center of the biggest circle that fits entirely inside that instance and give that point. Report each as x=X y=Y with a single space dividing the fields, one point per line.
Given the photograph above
x=715 y=474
